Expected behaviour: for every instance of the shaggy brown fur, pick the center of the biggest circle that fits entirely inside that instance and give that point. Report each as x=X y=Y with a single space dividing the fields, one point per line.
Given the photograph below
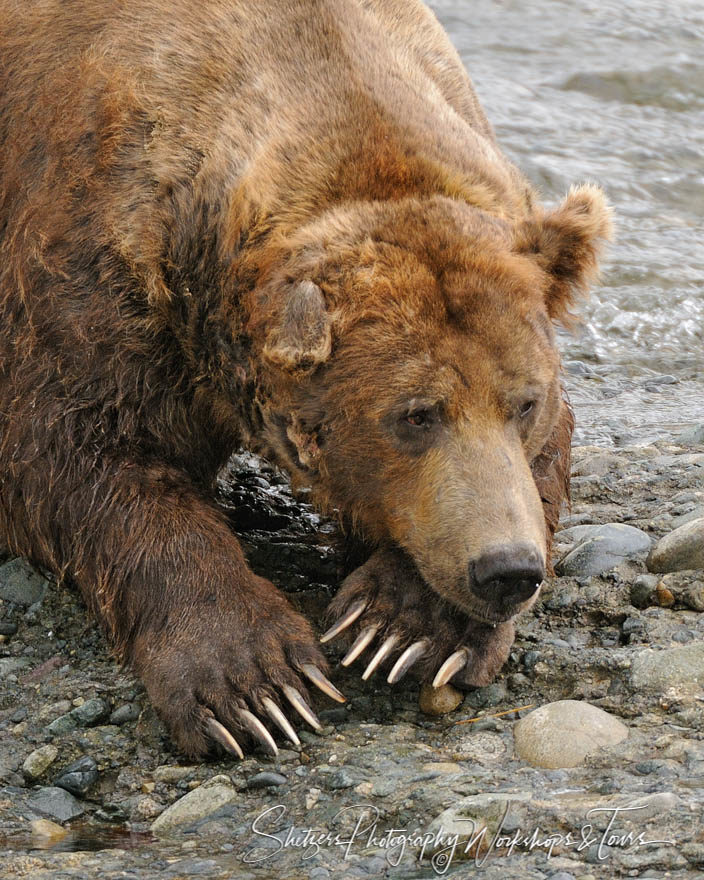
x=292 y=230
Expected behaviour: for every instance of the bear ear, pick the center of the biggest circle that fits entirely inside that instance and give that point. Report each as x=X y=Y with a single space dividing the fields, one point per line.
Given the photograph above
x=303 y=337
x=566 y=243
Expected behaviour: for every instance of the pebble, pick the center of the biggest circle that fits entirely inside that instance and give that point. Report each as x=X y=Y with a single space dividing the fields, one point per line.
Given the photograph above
x=685 y=587
x=265 y=779
x=642 y=591
x=126 y=712
x=46 y=831
x=61 y=725
x=682 y=549
x=563 y=733
x=21 y=584
x=79 y=776
x=470 y=814
x=197 y=804
x=339 y=779
x=681 y=668
x=600 y=548
x=37 y=763
x=90 y=712
x=439 y=701
x=172 y=773
x=56 y=803
x=693 y=436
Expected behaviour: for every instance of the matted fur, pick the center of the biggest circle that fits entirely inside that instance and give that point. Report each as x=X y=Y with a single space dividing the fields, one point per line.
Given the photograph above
x=169 y=174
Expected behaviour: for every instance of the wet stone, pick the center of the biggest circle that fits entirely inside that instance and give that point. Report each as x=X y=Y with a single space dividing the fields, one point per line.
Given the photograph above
x=439 y=701
x=682 y=549
x=38 y=762
x=680 y=668
x=600 y=548
x=57 y=803
x=563 y=733
x=196 y=805
x=642 y=591
x=7 y=628
x=693 y=436
x=126 y=712
x=265 y=779
x=90 y=712
x=79 y=776
x=21 y=584
x=61 y=725
x=339 y=779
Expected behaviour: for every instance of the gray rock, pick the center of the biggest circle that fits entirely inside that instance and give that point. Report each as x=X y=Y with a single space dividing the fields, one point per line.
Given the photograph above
x=125 y=713
x=643 y=590
x=265 y=779
x=680 y=668
x=339 y=779
x=687 y=588
x=470 y=815
x=90 y=712
x=10 y=665
x=562 y=734
x=680 y=550
x=20 y=583
x=79 y=776
x=197 y=804
x=601 y=548
x=56 y=803
x=61 y=725
x=39 y=761
x=693 y=436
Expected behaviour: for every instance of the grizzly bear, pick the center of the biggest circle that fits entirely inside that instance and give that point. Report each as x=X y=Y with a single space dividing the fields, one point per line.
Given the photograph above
x=292 y=231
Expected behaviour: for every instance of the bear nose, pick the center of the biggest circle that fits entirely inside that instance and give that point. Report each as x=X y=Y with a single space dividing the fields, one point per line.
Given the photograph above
x=512 y=573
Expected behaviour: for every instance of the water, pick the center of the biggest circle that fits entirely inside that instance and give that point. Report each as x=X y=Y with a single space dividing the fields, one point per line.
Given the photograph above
x=612 y=93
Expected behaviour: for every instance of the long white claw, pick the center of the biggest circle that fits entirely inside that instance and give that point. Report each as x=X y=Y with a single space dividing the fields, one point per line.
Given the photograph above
x=383 y=652
x=406 y=660
x=450 y=667
x=346 y=620
x=300 y=705
x=281 y=721
x=312 y=673
x=359 y=644
x=257 y=729
x=224 y=737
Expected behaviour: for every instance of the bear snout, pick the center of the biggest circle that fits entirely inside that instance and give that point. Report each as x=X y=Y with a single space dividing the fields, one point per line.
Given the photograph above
x=508 y=573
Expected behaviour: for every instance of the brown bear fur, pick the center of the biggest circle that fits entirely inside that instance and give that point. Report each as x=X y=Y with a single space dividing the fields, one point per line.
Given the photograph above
x=272 y=229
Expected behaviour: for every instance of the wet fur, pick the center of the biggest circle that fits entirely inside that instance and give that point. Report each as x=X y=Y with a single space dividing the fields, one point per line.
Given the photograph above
x=167 y=172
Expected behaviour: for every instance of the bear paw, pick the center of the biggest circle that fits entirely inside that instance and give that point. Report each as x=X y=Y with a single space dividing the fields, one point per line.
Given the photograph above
x=215 y=677
x=385 y=602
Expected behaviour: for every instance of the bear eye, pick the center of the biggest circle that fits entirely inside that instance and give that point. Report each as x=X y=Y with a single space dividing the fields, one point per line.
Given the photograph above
x=526 y=408
x=419 y=419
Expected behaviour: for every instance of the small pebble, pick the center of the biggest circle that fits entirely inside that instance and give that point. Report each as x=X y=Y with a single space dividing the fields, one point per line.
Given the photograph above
x=439 y=701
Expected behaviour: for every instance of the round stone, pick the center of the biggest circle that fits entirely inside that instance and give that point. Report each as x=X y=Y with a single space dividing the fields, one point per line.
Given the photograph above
x=562 y=734
x=439 y=701
x=681 y=550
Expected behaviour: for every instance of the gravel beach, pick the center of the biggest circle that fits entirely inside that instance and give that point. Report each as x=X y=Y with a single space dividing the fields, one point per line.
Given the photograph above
x=608 y=784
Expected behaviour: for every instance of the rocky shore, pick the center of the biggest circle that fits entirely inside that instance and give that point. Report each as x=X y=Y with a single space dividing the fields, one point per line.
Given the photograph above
x=593 y=734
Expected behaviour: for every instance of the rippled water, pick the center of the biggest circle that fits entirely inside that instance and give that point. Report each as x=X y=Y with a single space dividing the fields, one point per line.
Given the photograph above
x=614 y=93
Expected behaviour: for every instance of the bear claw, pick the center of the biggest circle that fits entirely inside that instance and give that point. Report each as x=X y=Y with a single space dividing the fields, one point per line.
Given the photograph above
x=386 y=648
x=258 y=731
x=223 y=736
x=451 y=667
x=281 y=721
x=359 y=645
x=313 y=674
x=300 y=705
x=406 y=660
x=347 y=619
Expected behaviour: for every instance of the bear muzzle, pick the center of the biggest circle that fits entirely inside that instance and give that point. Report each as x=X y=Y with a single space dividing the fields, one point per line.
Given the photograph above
x=507 y=575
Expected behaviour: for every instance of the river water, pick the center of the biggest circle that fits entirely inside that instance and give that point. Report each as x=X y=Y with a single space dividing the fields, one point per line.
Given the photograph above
x=611 y=92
